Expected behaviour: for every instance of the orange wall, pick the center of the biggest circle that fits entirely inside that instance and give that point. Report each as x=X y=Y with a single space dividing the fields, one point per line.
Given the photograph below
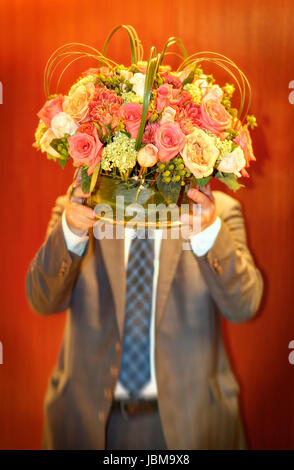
x=258 y=35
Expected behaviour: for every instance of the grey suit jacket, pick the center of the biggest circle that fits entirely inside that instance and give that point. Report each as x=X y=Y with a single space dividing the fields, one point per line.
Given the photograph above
x=197 y=390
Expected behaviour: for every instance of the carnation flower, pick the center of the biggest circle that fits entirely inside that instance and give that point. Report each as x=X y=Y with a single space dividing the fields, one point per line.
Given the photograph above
x=120 y=153
x=105 y=107
x=149 y=133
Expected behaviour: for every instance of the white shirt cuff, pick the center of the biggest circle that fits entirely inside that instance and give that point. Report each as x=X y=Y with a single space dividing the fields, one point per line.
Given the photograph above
x=204 y=240
x=74 y=243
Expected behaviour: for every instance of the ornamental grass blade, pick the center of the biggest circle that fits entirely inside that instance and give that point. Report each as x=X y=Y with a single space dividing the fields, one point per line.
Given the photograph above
x=152 y=67
x=135 y=43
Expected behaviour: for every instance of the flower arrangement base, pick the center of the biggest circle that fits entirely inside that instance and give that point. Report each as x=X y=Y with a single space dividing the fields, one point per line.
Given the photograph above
x=123 y=203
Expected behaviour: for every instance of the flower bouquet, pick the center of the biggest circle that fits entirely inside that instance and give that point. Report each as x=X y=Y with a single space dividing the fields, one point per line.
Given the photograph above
x=145 y=132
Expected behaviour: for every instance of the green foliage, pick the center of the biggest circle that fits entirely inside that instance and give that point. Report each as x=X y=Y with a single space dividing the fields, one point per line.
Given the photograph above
x=62 y=162
x=94 y=177
x=85 y=180
x=202 y=181
x=230 y=180
x=189 y=78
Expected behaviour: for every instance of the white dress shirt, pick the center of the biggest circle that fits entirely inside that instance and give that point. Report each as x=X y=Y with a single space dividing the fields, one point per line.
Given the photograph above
x=200 y=243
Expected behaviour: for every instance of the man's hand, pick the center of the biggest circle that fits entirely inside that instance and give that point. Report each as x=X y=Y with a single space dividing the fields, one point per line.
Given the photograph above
x=204 y=217
x=79 y=217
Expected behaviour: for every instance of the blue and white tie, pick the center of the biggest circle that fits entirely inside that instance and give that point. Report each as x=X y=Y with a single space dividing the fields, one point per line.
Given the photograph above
x=135 y=363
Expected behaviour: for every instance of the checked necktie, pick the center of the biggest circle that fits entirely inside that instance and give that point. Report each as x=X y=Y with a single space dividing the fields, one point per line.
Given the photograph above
x=135 y=363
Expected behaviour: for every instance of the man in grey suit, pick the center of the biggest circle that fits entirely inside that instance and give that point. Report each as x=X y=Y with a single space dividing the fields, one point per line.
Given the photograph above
x=189 y=400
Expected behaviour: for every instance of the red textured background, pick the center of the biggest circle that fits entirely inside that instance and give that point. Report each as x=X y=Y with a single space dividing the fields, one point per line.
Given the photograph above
x=258 y=35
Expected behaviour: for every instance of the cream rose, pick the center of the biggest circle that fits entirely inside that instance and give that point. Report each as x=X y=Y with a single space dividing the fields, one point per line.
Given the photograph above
x=63 y=123
x=138 y=82
x=200 y=153
x=45 y=142
x=233 y=162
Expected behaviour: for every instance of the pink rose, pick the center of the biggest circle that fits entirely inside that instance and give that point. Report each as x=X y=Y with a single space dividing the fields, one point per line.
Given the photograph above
x=170 y=140
x=214 y=116
x=148 y=155
x=131 y=113
x=50 y=109
x=85 y=149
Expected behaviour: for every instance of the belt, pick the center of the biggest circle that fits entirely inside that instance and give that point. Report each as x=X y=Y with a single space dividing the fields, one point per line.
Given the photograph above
x=130 y=407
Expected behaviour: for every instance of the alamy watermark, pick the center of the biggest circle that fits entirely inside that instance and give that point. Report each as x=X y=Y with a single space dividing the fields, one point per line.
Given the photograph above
x=174 y=221
x=291 y=355
x=291 y=94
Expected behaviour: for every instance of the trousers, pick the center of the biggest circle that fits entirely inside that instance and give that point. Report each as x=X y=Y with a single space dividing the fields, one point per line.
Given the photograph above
x=141 y=431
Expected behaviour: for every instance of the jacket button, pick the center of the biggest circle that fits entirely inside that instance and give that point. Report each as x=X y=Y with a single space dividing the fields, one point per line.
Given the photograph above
x=101 y=416
x=108 y=393
x=114 y=371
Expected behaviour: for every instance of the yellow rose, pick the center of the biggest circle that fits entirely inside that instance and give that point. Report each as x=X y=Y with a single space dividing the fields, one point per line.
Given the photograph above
x=76 y=103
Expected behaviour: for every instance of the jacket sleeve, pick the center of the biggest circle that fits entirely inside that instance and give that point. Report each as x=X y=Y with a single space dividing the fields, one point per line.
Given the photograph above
x=53 y=271
x=234 y=281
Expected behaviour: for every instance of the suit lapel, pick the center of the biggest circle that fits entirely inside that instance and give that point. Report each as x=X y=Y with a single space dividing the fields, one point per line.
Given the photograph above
x=113 y=255
x=168 y=261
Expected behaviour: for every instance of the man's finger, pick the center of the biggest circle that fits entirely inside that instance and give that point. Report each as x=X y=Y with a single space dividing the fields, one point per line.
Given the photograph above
x=197 y=196
x=79 y=221
x=78 y=192
x=82 y=210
